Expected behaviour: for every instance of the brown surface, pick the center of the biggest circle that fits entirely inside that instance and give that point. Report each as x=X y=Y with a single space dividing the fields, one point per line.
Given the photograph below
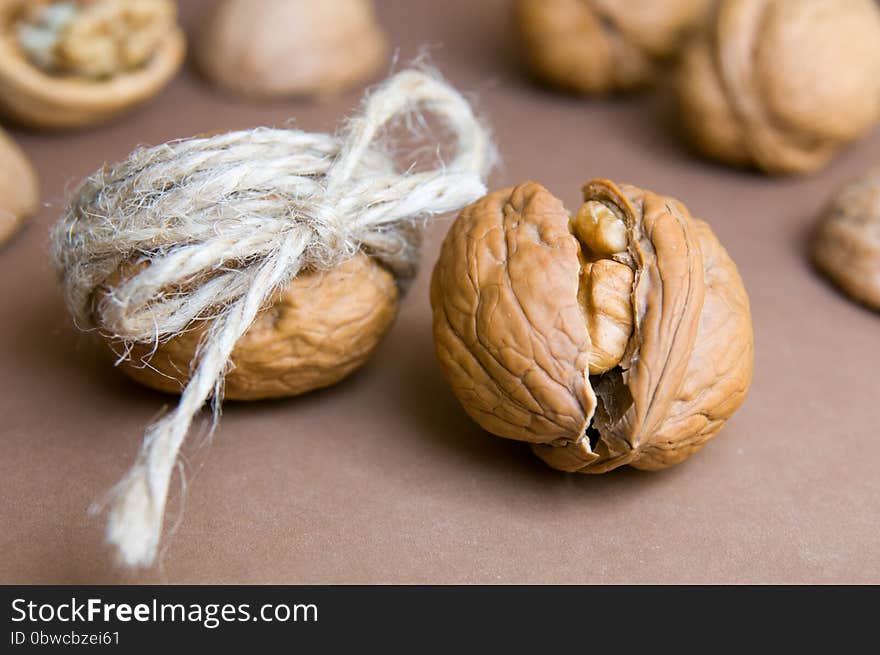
x=384 y=478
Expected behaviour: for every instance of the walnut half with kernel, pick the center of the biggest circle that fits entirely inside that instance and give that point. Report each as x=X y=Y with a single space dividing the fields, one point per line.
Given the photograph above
x=621 y=335
x=73 y=63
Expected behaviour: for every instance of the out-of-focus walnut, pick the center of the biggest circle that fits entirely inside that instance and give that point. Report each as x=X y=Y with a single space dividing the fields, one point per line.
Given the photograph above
x=846 y=243
x=284 y=48
x=781 y=84
x=544 y=338
x=73 y=63
x=602 y=46
x=19 y=189
x=94 y=38
x=323 y=327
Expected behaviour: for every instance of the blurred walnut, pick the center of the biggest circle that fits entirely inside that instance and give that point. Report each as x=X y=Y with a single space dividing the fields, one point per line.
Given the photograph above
x=602 y=46
x=620 y=336
x=19 y=189
x=282 y=48
x=323 y=327
x=94 y=38
x=72 y=63
x=846 y=244
x=782 y=84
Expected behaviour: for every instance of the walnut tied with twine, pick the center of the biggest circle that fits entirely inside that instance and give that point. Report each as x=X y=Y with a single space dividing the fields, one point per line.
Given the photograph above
x=209 y=232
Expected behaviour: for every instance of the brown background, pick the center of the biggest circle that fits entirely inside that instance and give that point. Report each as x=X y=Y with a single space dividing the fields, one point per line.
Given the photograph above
x=383 y=478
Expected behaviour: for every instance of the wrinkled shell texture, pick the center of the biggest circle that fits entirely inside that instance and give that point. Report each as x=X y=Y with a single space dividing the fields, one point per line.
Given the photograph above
x=601 y=46
x=19 y=189
x=513 y=339
x=846 y=243
x=781 y=85
x=323 y=327
x=281 y=48
x=46 y=100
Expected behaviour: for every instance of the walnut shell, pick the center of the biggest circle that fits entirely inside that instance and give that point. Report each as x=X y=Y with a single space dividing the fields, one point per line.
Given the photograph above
x=322 y=328
x=601 y=46
x=19 y=187
x=34 y=97
x=283 y=48
x=513 y=333
x=846 y=243
x=781 y=84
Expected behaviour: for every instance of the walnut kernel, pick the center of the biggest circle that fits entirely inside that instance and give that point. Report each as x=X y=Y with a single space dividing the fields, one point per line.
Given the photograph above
x=95 y=38
x=68 y=64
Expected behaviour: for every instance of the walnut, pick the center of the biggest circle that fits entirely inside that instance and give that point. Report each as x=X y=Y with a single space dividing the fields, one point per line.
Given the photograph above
x=73 y=63
x=323 y=327
x=781 y=84
x=846 y=243
x=19 y=188
x=282 y=48
x=523 y=303
x=602 y=46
